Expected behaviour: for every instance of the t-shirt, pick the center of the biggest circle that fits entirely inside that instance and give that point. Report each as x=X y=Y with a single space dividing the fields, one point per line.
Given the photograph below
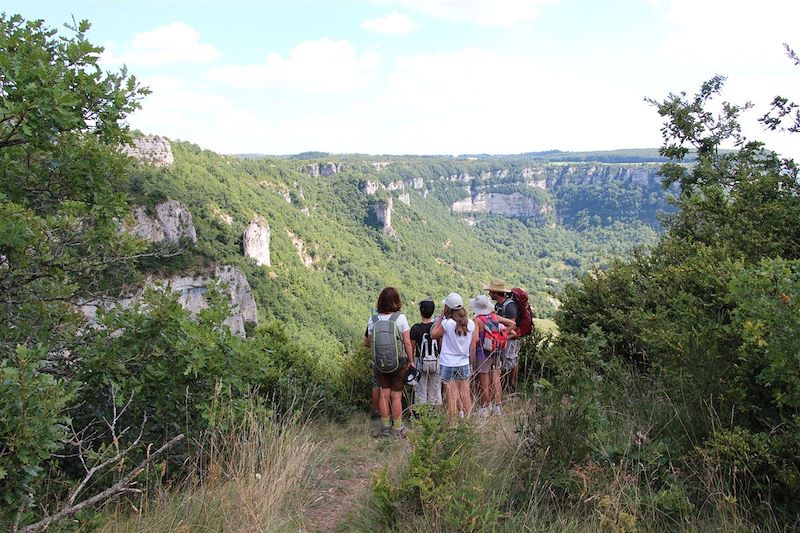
x=508 y=309
x=418 y=331
x=455 y=348
x=402 y=322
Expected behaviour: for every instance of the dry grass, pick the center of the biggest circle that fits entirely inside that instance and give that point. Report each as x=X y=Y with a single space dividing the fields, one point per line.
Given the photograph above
x=252 y=478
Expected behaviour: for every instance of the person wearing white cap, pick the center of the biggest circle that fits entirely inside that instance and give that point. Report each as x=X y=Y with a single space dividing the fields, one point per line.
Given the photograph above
x=487 y=365
x=457 y=354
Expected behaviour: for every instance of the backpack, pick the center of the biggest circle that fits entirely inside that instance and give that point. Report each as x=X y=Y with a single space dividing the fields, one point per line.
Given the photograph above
x=493 y=337
x=524 y=313
x=429 y=354
x=387 y=344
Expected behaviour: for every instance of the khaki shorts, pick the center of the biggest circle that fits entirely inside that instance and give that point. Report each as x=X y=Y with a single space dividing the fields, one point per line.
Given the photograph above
x=510 y=357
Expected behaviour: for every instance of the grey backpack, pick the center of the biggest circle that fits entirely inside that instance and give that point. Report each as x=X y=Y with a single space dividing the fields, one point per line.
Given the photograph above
x=387 y=344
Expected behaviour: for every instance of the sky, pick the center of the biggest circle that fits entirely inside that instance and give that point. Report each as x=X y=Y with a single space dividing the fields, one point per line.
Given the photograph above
x=433 y=76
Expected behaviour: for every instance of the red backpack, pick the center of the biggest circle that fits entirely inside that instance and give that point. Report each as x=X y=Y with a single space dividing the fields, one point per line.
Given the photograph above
x=494 y=336
x=524 y=313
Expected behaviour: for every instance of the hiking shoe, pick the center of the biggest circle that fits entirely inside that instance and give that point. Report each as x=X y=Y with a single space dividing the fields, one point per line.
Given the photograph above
x=496 y=410
x=483 y=412
x=461 y=414
x=400 y=433
x=384 y=431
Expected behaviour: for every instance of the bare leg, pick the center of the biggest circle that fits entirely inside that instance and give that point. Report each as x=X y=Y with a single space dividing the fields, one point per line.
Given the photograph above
x=451 y=393
x=383 y=403
x=483 y=381
x=397 y=405
x=496 y=388
x=465 y=395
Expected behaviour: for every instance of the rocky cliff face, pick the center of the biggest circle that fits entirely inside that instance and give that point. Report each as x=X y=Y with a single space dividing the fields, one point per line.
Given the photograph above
x=192 y=297
x=255 y=241
x=151 y=150
x=172 y=223
x=555 y=175
x=316 y=170
x=383 y=212
x=515 y=205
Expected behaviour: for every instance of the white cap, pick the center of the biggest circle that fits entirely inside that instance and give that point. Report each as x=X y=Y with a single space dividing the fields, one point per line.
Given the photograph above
x=453 y=301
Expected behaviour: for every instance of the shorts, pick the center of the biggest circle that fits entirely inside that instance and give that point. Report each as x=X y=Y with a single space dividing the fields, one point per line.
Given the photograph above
x=395 y=381
x=484 y=365
x=454 y=373
x=510 y=358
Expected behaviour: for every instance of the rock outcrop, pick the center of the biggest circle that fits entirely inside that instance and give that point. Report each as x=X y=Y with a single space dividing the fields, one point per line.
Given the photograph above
x=172 y=223
x=193 y=290
x=515 y=205
x=316 y=170
x=150 y=150
x=383 y=212
x=405 y=198
x=299 y=245
x=255 y=242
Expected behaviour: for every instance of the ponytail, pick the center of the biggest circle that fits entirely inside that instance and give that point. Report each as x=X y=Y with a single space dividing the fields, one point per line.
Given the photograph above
x=460 y=317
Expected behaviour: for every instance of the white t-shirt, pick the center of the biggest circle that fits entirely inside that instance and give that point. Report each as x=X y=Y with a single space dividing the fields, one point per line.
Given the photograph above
x=402 y=322
x=455 y=348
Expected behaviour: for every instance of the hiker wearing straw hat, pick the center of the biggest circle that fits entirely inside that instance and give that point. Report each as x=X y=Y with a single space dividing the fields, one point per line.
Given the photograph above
x=506 y=307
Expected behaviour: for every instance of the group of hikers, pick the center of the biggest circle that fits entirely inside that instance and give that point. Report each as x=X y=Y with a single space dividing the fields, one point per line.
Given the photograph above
x=445 y=353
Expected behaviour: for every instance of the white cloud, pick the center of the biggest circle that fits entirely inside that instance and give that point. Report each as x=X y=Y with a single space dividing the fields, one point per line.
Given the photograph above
x=174 y=43
x=394 y=22
x=743 y=41
x=316 y=66
x=183 y=110
x=504 y=13
x=473 y=100
x=726 y=33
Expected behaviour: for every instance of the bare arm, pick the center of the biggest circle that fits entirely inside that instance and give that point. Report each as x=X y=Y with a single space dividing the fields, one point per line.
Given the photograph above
x=473 y=345
x=437 y=331
x=409 y=348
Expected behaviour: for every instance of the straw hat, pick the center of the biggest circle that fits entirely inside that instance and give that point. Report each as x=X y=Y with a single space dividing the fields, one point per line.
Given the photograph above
x=497 y=285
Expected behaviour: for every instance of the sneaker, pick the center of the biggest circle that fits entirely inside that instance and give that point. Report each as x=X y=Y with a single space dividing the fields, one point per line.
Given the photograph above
x=496 y=410
x=400 y=433
x=483 y=412
x=384 y=431
x=461 y=414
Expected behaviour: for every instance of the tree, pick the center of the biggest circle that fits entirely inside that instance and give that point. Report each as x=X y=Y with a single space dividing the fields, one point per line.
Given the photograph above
x=61 y=122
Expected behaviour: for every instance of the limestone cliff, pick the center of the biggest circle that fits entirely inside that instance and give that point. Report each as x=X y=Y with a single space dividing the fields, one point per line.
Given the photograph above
x=172 y=223
x=192 y=297
x=316 y=170
x=515 y=205
x=255 y=241
x=150 y=150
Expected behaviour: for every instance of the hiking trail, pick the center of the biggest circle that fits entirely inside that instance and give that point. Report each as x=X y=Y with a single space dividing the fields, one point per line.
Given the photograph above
x=349 y=458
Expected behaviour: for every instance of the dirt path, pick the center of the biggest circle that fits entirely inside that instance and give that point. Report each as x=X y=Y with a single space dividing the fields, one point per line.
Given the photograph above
x=349 y=458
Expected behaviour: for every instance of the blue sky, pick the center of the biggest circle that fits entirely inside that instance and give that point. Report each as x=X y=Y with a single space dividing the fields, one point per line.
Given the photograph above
x=432 y=76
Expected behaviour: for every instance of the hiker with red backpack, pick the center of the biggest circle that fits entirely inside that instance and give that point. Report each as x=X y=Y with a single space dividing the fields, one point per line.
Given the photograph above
x=390 y=342
x=511 y=303
x=493 y=332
